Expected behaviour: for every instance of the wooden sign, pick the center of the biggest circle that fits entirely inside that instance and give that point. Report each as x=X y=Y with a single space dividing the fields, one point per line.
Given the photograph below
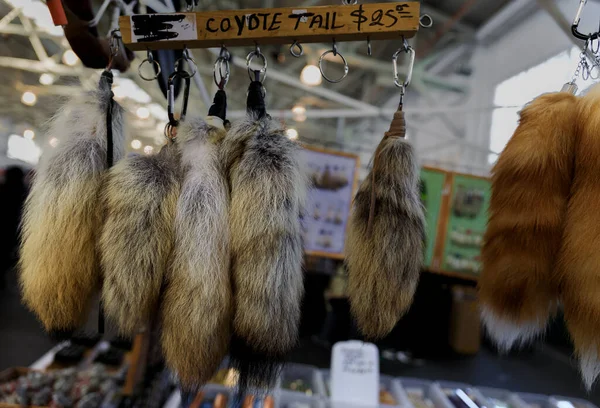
x=382 y=21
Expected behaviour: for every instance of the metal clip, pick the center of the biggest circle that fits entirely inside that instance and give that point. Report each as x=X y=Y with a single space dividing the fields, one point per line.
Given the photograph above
x=577 y=20
x=150 y=60
x=255 y=75
x=404 y=84
x=296 y=46
x=171 y=97
x=222 y=64
x=186 y=57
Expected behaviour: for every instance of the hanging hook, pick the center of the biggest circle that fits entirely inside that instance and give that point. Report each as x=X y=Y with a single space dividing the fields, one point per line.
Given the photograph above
x=577 y=20
x=190 y=61
x=171 y=97
x=403 y=84
x=428 y=18
x=191 y=4
x=155 y=64
x=255 y=75
x=115 y=38
x=335 y=53
x=369 y=47
x=296 y=45
x=222 y=63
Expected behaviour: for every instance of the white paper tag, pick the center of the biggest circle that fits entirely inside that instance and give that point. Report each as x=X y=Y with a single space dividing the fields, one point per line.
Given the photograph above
x=354 y=374
x=163 y=27
x=303 y=19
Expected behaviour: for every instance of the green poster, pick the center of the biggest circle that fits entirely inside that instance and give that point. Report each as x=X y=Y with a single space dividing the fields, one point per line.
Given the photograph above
x=467 y=222
x=432 y=185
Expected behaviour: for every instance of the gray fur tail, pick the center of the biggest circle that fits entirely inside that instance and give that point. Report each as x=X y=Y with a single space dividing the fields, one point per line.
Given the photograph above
x=268 y=189
x=58 y=265
x=139 y=200
x=384 y=267
x=197 y=307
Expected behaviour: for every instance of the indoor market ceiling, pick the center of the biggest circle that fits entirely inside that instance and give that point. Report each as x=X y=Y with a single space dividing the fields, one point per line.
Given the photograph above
x=30 y=47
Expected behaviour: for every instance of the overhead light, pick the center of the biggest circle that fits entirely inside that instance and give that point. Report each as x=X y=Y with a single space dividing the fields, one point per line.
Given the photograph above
x=46 y=79
x=136 y=144
x=23 y=149
x=311 y=75
x=28 y=134
x=159 y=112
x=142 y=112
x=292 y=134
x=53 y=142
x=70 y=58
x=148 y=149
x=28 y=98
x=119 y=92
x=299 y=113
x=125 y=87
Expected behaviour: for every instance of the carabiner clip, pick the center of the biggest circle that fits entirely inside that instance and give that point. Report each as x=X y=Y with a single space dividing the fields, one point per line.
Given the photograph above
x=408 y=50
x=577 y=20
x=171 y=97
x=222 y=69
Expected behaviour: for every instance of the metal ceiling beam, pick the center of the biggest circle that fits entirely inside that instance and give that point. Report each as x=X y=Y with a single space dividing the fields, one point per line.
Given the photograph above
x=513 y=13
x=35 y=41
x=437 y=14
x=383 y=113
x=449 y=58
x=39 y=67
x=16 y=29
x=158 y=6
x=10 y=16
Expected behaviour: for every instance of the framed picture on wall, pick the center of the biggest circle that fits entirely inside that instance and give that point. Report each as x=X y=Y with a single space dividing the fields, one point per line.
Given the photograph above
x=334 y=177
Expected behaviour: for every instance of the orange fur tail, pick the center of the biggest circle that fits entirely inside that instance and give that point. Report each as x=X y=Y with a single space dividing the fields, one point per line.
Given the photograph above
x=530 y=191
x=579 y=262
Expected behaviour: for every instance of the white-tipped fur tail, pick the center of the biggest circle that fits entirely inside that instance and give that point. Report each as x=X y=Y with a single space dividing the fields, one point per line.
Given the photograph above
x=589 y=365
x=507 y=334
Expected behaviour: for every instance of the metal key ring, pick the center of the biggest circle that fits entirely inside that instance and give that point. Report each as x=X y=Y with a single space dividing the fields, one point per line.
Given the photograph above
x=190 y=61
x=426 y=17
x=346 y=67
x=263 y=71
x=150 y=59
x=171 y=96
x=224 y=77
x=296 y=45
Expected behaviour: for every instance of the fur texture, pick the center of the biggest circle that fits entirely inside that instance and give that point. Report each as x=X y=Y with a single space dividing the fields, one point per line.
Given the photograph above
x=59 y=272
x=197 y=307
x=530 y=190
x=579 y=261
x=140 y=200
x=268 y=189
x=384 y=267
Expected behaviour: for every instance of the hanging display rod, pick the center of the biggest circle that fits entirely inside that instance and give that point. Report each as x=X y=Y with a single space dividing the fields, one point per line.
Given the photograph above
x=230 y=28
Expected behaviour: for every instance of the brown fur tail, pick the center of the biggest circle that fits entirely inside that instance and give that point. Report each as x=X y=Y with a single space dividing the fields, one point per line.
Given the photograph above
x=384 y=266
x=530 y=190
x=579 y=261
x=59 y=271
x=197 y=302
x=140 y=199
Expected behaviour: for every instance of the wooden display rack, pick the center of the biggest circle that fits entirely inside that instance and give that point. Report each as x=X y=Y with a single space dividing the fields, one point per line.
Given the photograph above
x=322 y=24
